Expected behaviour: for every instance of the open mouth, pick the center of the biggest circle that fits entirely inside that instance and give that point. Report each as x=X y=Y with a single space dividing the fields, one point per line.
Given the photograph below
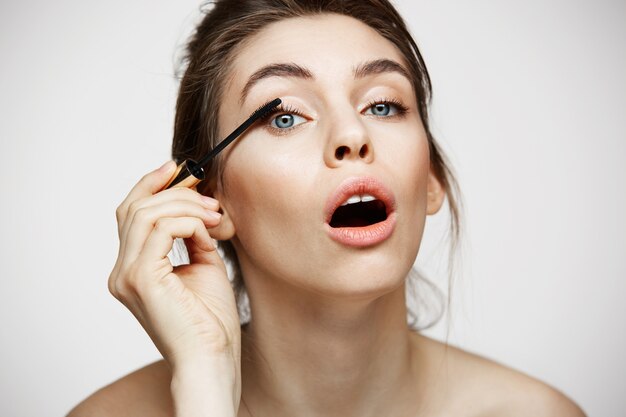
x=364 y=212
x=360 y=213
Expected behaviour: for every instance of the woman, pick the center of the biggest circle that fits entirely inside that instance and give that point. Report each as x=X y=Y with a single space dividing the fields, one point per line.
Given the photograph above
x=320 y=210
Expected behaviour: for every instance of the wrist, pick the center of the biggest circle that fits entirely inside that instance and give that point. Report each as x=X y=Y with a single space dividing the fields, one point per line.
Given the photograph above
x=205 y=386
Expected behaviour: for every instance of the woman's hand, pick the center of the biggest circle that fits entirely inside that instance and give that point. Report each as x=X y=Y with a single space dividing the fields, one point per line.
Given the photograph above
x=189 y=311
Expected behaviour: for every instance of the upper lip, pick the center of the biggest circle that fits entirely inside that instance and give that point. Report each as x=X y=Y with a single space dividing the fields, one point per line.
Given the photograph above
x=359 y=185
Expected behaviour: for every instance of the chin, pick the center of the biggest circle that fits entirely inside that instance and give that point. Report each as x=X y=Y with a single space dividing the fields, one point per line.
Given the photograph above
x=362 y=282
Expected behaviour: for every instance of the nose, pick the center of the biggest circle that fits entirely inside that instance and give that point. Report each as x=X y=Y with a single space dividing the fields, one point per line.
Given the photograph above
x=348 y=141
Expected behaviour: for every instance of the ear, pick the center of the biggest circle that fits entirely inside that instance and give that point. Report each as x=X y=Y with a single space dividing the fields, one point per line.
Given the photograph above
x=225 y=230
x=435 y=194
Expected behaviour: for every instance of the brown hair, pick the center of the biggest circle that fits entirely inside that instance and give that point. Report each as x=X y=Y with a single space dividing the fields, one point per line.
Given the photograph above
x=207 y=62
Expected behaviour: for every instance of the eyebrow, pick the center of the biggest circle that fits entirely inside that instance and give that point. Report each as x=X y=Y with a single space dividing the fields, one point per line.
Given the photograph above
x=374 y=67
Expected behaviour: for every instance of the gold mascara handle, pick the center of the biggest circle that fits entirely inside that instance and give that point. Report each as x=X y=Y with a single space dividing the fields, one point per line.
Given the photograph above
x=188 y=174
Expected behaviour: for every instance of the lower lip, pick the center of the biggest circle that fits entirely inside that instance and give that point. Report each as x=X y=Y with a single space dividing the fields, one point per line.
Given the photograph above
x=360 y=237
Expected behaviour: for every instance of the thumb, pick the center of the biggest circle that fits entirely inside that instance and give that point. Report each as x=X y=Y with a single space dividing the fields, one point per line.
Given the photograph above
x=151 y=183
x=156 y=180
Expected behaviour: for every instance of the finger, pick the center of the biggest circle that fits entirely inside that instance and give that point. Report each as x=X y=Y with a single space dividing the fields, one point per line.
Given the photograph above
x=197 y=255
x=161 y=239
x=145 y=220
x=178 y=193
x=149 y=184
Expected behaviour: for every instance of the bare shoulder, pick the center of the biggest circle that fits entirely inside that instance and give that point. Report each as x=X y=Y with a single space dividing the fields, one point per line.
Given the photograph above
x=144 y=392
x=491 y=389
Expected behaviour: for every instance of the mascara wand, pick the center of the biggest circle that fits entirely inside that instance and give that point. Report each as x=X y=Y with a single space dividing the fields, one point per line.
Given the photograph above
x=189 y=173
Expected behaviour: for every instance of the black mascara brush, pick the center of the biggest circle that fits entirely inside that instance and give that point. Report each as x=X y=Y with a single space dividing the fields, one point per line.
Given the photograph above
x=189 y=173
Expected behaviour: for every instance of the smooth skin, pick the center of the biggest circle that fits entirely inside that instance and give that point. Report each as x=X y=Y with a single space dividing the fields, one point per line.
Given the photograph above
x=329 y=334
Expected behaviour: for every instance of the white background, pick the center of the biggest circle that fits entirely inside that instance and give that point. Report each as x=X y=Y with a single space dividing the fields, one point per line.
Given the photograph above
x=529 y=102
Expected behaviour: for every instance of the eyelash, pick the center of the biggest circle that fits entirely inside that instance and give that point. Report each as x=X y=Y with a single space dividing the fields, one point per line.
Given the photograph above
x=402 y=109
x=288 y=109
x=280 y=109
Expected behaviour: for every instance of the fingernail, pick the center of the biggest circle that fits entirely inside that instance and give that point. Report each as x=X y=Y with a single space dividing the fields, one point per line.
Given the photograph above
x=214 y=214
x=210 y=202
x=165 y=166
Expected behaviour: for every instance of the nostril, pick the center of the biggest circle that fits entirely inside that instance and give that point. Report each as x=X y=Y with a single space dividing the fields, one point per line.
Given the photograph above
x=340 y=152
x=363 y=151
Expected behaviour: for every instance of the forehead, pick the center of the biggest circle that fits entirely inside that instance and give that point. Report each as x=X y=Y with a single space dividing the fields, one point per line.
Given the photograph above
x=328 y=45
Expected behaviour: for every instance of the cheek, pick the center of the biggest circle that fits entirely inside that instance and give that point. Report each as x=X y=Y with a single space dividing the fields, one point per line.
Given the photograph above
x=420 y=170
x=408 y=160
x=419 y=189
x=418 y=186
x=407 y=157
x=265 y=192
x=269 y=199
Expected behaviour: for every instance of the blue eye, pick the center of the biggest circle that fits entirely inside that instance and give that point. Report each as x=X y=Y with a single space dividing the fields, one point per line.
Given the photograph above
x=381 y=109
x=286 y=121
x=385 y=108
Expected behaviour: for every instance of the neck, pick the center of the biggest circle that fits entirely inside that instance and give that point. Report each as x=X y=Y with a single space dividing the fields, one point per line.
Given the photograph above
x=305 y=354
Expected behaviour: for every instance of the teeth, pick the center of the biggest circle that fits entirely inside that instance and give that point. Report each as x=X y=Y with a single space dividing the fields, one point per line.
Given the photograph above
x=352 y=200
x=364 y=198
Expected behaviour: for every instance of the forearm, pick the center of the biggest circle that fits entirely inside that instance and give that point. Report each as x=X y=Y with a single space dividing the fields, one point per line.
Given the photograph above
x=205 y=388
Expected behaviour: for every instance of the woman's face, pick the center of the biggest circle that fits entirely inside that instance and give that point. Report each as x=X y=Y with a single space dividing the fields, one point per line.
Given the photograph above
x=349 y=126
